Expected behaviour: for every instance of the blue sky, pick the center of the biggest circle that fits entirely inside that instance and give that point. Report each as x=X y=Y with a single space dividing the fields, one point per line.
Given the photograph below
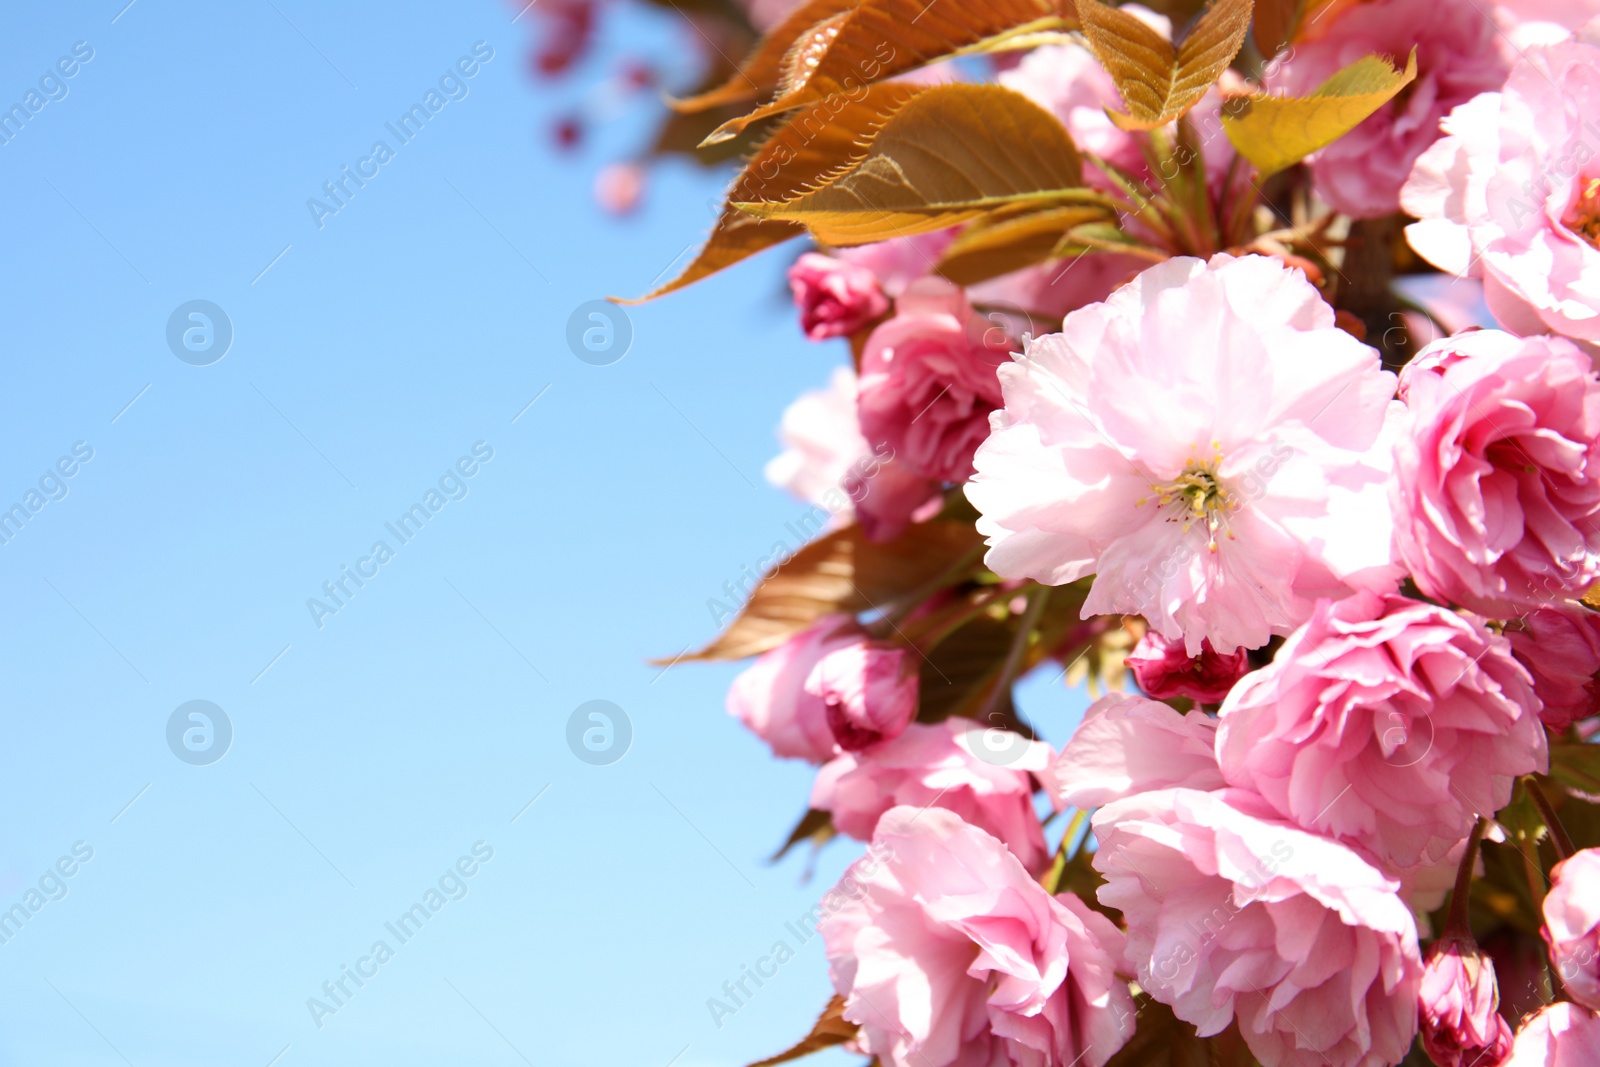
x=373 y=359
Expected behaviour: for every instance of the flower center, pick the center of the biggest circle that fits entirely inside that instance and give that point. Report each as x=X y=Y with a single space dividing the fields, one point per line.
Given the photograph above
x=1197 y=495
x=1583 y=216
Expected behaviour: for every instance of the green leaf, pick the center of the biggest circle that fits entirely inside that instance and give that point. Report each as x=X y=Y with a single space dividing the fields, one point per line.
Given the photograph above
x=1577 y=768
x=952 y=154
x=1158 y=81
x=1275 y=132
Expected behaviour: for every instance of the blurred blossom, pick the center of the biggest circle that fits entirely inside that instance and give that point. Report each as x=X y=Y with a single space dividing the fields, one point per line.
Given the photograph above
x=1572 y=925
x=1561 y=649
x=770 y=697
x=928 y=380
x=1561 y=1035
x=1459 y=55
x=834 y=296
x=870 y=691
x=619 y=187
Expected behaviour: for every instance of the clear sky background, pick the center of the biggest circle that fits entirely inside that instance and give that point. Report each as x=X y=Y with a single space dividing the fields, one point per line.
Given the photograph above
x=372 y=753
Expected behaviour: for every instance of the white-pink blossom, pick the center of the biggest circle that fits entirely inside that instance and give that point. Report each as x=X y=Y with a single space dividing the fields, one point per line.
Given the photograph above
x=1207 y=443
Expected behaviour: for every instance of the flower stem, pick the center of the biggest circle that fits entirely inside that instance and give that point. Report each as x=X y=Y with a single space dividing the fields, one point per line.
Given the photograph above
x=1558 y=833
x=1019 y=646
x=1457 y=924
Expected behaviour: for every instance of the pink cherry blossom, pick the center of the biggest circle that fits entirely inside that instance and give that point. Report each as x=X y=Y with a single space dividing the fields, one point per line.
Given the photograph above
x=1387 y=722
x=928 y=380
x=1561 y=1035
x=1206 y=443
x=949 y=954
x=1512 y=194
x=1497 y=471
x=835 y=297
x=1459 y=1006
x=1459 y=55
x=1572 y=925
x=1232 y=912
x=769 y=697
x=1068 y=82
x=1561 y=649
x=870 y=691
x=1164 y=669
x=828 y=463
x=1127 y=744
x=898 y=262
x=619 y=187
x=1531 y=23
x=939 y=764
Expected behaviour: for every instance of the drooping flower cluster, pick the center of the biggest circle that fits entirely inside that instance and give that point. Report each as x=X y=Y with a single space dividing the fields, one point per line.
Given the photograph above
x=1164 y=416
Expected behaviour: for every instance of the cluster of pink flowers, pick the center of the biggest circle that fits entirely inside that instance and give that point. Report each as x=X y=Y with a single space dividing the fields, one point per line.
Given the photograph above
x=1352 y=586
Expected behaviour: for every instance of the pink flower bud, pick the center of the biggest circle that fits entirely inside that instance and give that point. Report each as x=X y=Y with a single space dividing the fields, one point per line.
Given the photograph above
x=869 y=691
x=1572 y=925
x=1459 y=1007
x=1164 y=670
x=835 y=298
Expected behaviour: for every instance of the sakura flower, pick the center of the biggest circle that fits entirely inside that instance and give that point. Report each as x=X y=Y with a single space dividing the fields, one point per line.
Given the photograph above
x=1386 y=722
x=928 y=380
x=1561 y=1035
x=619 y=187
x=1460 y=1007
x=1572 y=925
x=1531 y=23
x=935 y=764
x=835 y=297
x=1127 y=744
x=769 y=697
x=1512 y=194
x=1560 y=647
x=828 y=463
x=1068 y=82
x=1459 y=55
x=1497 y=471
x=1206 y=443
x=869 y=690
x=949 y=954
x=1164 y=670
x=1234 y=913
x=898 y=262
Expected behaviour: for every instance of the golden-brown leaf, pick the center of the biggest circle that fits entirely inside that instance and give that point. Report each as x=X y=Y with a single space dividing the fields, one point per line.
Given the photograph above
x=883 y=38
x=951 y=154
x=802 y=153
x=762 y=71
x=831 y=1029
x=840 y=573
x=998 y=246
x=1160 y=82
x=1275 y=24
x=1275 y=132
